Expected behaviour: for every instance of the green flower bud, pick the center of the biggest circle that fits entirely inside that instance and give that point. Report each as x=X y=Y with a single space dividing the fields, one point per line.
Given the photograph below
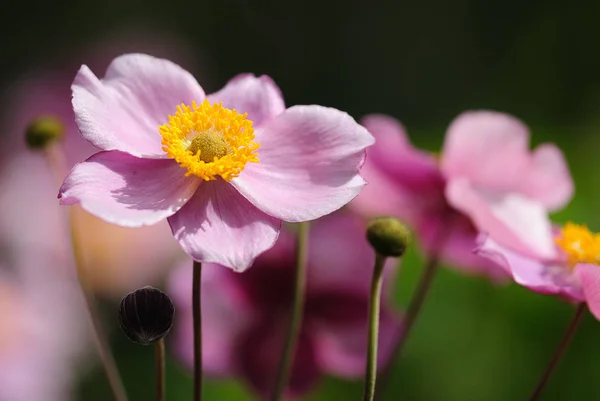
x=388 y=236
x=43 y=131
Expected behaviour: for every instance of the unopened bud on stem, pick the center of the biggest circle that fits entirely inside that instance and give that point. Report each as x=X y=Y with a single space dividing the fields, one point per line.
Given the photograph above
x=146 y=315
x=388 y=236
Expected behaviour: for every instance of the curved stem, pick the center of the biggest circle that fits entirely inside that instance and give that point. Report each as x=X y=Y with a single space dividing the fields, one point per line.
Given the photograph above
x=56 y=160
x=559 y=351
x=159 y=352
x=287 y=358
x=416 y=303
x=100 y=340
x=197 y=311
x=374 y=306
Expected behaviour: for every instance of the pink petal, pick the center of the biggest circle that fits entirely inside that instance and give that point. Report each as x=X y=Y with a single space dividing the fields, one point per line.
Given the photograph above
x=539 y=276
x=309 y=161
x=412 y=169
x=219 y=225
x=225 y=313
x=491 y=150
x=128 y=191
x=511 y=219
x=258 y=96
x=590 y=281
x=401 y=180
x=123 y=110
x=549 y=179
x=488 y=148
x=340 y=330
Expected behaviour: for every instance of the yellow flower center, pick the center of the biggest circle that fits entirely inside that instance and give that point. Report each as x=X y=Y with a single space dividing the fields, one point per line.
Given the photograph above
x=209 y=140
x=579 y=244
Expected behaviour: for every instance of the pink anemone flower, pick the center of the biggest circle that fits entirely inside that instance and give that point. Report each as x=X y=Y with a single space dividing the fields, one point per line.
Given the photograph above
x=485 y=179
x=223 y=179
x=245 y=317
x=572 y=273
x=118 y=259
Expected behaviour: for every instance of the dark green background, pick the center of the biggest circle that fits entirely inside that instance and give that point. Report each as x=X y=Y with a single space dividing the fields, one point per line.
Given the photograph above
x=423 y=62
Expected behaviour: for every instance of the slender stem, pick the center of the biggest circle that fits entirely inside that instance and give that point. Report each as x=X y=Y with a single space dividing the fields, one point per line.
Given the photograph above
x=197 y=311
x=56 y=160
x=287 y=357
x=414 y=308
x=160 y=369
x=416 y=303
x=559 y=351
x=374 y=305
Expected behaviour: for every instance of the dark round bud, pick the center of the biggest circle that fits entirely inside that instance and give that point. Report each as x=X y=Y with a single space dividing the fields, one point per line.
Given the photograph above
x=146 y=315
x=388 y=236
x=42 y=131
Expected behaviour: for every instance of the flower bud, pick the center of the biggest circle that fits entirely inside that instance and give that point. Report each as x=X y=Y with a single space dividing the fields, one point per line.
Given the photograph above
x=388 y=236
x=42 y=131
x=146 y=315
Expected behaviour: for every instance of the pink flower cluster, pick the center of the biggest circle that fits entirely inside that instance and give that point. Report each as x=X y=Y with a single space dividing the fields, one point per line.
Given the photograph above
x=483 y=203
x=226 y=169
x=484 y=180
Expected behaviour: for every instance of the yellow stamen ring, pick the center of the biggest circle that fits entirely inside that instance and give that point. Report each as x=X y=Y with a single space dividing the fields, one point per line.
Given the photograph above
x=579 y=244
x=209 y=140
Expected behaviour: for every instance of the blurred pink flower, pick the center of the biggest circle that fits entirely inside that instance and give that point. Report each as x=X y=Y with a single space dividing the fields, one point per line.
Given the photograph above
x=572 y=272
x=485 y=180
x=42 y=335
x=245 y=316
x=227 y=203
x=118 y=259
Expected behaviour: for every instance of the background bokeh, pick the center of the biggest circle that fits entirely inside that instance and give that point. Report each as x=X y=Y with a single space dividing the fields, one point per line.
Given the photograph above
x=422 y=62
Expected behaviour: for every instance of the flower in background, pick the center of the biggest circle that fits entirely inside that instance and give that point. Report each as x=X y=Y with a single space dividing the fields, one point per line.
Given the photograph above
x=42 y=334
x=245 y=316
x=485 y=179
x=572 y=272
x=118 y=259
x=224 y=180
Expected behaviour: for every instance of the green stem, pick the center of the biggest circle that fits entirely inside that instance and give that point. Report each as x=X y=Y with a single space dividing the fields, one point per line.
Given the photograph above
x=374 y=305
x=414 y=308
x=287 y=358
x=559 y=352
x=160 y=369
x=197 y=312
